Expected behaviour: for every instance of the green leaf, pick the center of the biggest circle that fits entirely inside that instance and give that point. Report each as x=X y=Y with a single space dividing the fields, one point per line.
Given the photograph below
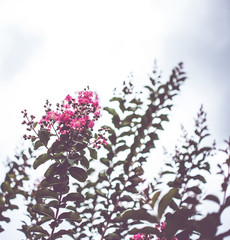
x=62 y=232
x=57 y=147
x=194 y=189
x=164 y=117
x=105 y=161
x=158 y=126
x=53 y=181
x=93 y=153
x=41 y=159
x=46 y=193
x=127 y=198
x=80 y=146
x=53 y=204
x=116 y=119
x=35 y=124
x=43 y=210
x=122 y=148
x=70 y=216
x=44 y=136
x=154 y=198
x=153 y=136
x=100 y=193
x=76 y=197
x=5 y=219
x=165 y=201
x=140 y=214
x=121 y=101
x=111 y=111
x=146 y=230
x=78 y=173
x=6 y=187
x=85 y=162
x=38 y=144
x=128 y=133
x=112 y=236
x=36 y=228
x=212 y=198
x=44 y=219
x=51 y=170
x=198 y=177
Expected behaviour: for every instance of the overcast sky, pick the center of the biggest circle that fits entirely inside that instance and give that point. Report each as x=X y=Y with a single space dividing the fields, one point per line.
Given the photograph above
x=51 y=48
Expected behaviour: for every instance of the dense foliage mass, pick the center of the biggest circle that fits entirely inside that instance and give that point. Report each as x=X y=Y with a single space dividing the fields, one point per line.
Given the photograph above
x=83 y=196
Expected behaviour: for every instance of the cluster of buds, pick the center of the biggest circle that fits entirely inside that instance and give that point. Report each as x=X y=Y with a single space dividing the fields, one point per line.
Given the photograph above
x=141 y=236
x=101 y=139
x=29 y=121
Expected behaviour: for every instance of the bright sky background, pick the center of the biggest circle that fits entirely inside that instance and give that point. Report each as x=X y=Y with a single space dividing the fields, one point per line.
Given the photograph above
x=51 y=48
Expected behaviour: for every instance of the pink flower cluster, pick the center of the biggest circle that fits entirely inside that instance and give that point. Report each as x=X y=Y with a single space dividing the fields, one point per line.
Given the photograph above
x=142 y=236
x=72 y=114
x=139 y=236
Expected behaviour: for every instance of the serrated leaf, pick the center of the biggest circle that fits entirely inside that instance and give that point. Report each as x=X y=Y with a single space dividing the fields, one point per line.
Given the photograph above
x=165 y=201
x=36 y=228
x=43 y=210
x=70 y=216
x=41 y=160
x=78 y=173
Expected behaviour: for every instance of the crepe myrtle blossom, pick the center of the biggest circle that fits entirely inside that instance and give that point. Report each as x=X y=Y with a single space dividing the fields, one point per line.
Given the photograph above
x=141 y=236
x=71 y=116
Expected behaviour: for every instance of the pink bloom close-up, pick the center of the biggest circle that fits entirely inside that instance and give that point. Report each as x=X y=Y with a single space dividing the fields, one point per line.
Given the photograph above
x=139 y=236
x=68 y=98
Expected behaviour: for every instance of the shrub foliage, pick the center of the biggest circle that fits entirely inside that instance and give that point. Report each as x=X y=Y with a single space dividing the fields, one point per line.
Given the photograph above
x=94 y=185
